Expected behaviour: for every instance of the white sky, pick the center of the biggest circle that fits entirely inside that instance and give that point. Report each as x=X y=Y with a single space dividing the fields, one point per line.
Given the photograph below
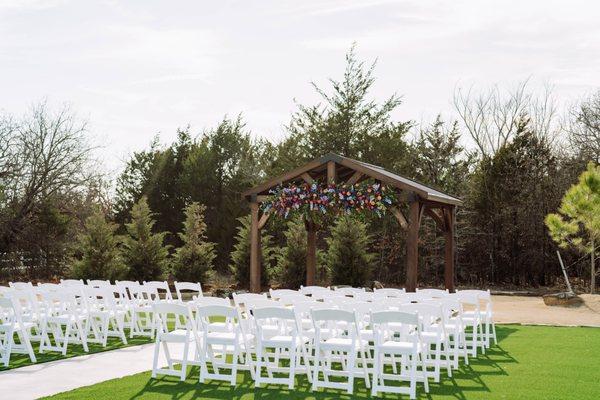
x=138 y=68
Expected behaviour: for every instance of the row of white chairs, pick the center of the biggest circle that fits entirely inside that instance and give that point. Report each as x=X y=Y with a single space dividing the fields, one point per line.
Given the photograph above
x=401 y=337
x=56 y=315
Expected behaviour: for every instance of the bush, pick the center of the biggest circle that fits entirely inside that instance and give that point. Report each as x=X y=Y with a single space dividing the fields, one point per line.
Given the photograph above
x=144 y=253
x=240 y=256
x=99 y=249
x=348 y=256
x=291 y=265
x=193 y=261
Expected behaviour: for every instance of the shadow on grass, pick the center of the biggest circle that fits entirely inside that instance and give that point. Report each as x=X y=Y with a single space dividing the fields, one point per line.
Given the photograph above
x=467 y=379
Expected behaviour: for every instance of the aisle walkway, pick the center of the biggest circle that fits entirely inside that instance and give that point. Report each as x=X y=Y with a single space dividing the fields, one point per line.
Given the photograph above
x=54 y=377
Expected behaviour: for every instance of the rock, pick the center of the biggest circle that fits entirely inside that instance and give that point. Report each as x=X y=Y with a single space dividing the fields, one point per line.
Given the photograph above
x=564 y=299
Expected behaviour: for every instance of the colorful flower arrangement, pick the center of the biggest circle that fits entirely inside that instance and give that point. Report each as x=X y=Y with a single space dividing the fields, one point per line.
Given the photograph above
x=313 y=200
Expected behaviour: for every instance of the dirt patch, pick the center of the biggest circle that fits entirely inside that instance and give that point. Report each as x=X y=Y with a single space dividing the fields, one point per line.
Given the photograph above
x=532 y=310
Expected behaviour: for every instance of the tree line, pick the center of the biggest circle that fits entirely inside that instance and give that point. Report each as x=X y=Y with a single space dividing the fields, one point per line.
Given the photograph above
x=510 y=155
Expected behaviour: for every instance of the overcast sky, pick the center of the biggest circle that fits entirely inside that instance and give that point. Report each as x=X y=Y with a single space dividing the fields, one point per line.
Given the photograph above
x=138 y=68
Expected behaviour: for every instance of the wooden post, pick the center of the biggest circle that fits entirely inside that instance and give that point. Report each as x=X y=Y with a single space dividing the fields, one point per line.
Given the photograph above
x=311 y=253
x=331 y=172
x=412 y=245
x=449 y=248
x=254 y=250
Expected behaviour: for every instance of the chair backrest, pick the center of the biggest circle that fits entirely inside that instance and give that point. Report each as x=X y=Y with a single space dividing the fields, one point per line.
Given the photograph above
x=434 y=292
x=194 y=288
x=72 y=282
x=291 y=299
x=127 y=287
x=98 y=283
x=163 y=312
x=8 y=315
x=276 y=294
x=328 y=294
x=5 y=291
x=160 y=286
x=284 y=319
x=310 y=290
x=260 y=303
x=389 y=292
x=349 y=291
x=209 y=300
x=242 y=298
x=362 y=309
x=429 y=315
x=333 y=315
x=395 y=325
x=21 y=285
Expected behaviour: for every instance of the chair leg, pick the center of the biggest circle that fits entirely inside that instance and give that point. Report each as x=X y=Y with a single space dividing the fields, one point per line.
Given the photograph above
x=156 y=355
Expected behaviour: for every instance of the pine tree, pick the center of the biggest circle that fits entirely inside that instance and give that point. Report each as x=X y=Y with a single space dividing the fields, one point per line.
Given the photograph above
x=348 y=256
x=144 y=252
x=193 y=261
x=577 y=223
x=291 y=265
x=240 y=256
x=100 y=253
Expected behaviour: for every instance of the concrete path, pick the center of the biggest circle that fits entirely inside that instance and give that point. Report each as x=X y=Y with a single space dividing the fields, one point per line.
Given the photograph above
x=54 y=377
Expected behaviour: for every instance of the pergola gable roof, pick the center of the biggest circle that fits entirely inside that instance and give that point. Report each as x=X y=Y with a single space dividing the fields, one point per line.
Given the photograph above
x=346 y=167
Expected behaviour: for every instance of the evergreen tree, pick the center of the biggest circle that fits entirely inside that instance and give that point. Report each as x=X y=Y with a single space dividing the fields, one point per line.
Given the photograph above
x=577 y=223
x=291 y=265
x=144 y=252
x=348 y=256
x=100 y=253
x=240 y=256
x=193 y=262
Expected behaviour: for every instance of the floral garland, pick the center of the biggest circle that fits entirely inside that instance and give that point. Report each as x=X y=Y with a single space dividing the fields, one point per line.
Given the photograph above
x=317 y=199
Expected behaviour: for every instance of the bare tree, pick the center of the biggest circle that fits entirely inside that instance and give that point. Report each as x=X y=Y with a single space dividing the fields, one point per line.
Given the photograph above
x=47 y=154
x=492 y=117
x=584 y=127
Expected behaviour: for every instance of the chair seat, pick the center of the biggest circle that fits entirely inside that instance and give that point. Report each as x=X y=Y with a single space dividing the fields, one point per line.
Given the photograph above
x=399 y=347
x=226 y=338
x=344 y=344
x=284 y=340
x=177 y=335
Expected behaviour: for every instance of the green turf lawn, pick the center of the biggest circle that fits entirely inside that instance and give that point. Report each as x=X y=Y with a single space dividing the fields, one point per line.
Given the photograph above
x=530 y=362
x=73 y=350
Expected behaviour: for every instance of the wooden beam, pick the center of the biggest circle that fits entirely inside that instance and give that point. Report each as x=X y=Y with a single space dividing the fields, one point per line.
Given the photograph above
x=254 y=250
x=311 y=253
x=400 y=217
x=307 y=178
x=331 y=172
x=439 y=221
x=412 y=245
x=449 y=248
x=354 y=178
x=263 y=219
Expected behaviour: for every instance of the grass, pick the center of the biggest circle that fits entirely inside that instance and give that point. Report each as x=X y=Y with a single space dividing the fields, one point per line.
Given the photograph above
x=530 y=362
x=73 y=350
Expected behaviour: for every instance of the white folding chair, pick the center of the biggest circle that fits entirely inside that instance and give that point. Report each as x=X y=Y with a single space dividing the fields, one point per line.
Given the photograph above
x=311 y=290
x=286 y=343
x=433 y=293
x=436 y=346
x=349 y=291
x=397 y=335
x=486 y=315
x=142 y=299
x=276 y=294
x=388 y=292
x=162 y=312
x=98 y=283
x=11 y=324
x=160 y=286
x=455 y=329
x=105 y=318
x=225 y=350
x=71 y=282
x=190 y=288
x=472 y=318
x=240 y=299
x=62 y=309
x=335 y=344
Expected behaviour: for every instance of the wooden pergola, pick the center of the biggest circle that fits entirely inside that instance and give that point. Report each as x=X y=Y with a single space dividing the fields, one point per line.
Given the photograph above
x=332 y=168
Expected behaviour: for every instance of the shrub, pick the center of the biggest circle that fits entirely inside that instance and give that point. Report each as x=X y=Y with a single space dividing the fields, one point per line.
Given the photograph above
x=193 y=261
x=144 y=252
x=240 y=256
x=348 y=256
x=99 y=250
